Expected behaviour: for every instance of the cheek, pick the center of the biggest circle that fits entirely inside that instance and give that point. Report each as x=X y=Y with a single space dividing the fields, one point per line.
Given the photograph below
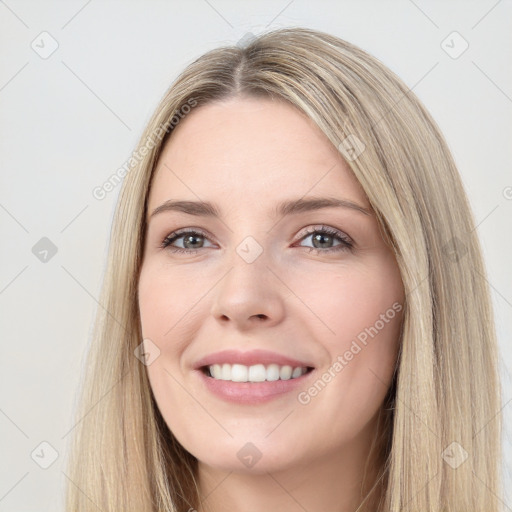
x=361 y=312
x=166 y=303
x=352 y=299
x=166 y=300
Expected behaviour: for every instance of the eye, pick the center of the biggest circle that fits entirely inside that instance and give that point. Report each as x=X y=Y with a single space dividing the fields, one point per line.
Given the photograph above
x=192 y=240
x=324 y=237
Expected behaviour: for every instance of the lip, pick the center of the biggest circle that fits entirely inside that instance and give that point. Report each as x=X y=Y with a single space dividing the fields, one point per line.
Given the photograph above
x=249 y=358
x=252 y=392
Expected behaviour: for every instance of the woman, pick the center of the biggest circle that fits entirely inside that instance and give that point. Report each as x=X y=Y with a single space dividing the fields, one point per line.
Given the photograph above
x=296 y=314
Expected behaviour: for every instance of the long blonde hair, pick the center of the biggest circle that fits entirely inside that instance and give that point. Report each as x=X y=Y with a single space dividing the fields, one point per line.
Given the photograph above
x=442 y=444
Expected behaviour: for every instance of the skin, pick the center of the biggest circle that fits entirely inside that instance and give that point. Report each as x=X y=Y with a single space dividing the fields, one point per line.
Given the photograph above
x=246 y=155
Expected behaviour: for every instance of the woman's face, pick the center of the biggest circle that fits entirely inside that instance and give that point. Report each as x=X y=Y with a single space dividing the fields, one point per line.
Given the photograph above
x=311 y=286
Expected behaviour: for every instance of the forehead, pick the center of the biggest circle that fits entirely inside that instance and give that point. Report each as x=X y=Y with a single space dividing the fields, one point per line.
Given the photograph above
x=248 y=149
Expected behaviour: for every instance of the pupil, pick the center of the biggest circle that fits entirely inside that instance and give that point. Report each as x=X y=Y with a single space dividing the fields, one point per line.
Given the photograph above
x=319 y=238
x=190 y=238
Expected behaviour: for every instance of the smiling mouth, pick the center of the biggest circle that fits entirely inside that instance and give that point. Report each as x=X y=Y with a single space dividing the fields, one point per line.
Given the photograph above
x=254 y=373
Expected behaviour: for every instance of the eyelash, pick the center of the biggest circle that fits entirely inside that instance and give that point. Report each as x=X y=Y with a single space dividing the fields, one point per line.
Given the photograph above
x=346 y=243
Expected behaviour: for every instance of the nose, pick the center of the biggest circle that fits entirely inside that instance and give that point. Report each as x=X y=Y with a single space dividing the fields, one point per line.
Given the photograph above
x=249 y=295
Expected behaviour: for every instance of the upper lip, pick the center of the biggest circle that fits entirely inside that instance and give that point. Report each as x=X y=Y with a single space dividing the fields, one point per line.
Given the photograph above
x=249 y=358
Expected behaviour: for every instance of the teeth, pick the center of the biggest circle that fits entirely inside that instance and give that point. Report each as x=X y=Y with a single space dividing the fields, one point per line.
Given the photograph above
x=255 y=373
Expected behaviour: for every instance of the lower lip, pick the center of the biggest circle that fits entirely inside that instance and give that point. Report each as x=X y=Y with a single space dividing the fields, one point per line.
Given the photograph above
x=252 y=392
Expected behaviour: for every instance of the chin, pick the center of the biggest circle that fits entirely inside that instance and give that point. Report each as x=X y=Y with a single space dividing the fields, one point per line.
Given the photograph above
x=248 y=457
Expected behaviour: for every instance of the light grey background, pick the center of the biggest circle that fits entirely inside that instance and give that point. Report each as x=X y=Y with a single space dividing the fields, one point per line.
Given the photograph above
x=70 y=120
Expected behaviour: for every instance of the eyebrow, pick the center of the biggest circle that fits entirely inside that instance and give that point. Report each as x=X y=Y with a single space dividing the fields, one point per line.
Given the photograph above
x=290 y=207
